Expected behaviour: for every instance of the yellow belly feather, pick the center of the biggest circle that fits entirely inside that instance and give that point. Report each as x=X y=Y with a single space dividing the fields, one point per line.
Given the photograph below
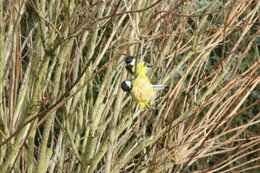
x=142 y=90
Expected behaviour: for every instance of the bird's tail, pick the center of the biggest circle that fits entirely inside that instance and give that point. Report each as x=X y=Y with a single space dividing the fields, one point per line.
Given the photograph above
x=159 y=87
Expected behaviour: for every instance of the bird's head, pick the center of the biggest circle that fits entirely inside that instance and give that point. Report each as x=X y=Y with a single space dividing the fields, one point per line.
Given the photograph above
x=130 y=63
x=126 y=86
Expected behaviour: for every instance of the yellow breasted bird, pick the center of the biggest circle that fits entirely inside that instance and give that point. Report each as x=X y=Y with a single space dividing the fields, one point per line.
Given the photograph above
x=141 y=89
x=135 y=66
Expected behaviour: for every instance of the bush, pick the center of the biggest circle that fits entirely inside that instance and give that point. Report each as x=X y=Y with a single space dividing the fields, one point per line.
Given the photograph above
x=62 y=108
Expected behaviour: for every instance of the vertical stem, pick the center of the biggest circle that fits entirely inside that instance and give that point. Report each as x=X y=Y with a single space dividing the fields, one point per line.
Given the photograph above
x=65 y=52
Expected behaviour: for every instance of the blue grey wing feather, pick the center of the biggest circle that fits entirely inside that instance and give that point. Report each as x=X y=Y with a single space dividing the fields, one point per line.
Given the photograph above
x=159 y=87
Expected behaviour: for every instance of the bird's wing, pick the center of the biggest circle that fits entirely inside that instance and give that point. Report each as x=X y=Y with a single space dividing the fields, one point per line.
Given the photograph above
x=159 y=87
x=148 y=65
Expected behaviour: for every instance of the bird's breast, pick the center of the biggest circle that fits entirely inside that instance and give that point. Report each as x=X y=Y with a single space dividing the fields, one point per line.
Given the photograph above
x=142 y=90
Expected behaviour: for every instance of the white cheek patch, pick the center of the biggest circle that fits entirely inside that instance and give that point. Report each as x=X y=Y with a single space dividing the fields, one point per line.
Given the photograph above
x=129 y=83
x=133 y=62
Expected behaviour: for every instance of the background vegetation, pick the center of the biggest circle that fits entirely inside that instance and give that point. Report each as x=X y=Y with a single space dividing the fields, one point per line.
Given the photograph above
x=62 y=109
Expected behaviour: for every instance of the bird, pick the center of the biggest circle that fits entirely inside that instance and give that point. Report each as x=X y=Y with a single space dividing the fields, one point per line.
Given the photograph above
x=141 y=89
x=131 y=64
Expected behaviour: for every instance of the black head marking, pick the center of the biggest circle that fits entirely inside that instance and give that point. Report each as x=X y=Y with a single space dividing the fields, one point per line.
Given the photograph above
x=130 y=63
x=129 y=68
x=129 y=59
x=126 y=85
